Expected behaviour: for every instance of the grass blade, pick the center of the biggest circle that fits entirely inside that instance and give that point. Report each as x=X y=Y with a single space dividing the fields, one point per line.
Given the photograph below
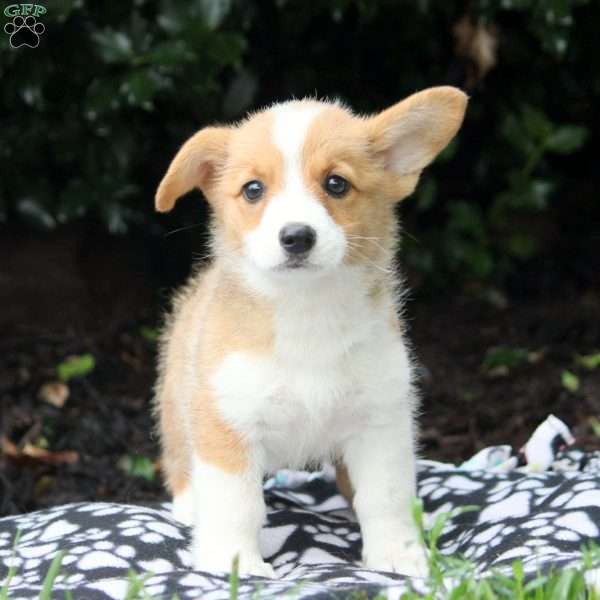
x=12 y=569
x=135 y=586
x=234 y=578
x=51 y=575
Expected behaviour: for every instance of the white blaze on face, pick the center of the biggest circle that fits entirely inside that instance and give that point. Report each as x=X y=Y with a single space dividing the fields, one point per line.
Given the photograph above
x=294 y=203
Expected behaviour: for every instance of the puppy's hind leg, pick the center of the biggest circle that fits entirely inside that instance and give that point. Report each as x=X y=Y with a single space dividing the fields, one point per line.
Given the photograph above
x=342 y=479
x=176 y=460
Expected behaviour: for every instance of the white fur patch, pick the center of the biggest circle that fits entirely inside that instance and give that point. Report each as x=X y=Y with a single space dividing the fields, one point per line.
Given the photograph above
x=292 y=121
x=322 y=384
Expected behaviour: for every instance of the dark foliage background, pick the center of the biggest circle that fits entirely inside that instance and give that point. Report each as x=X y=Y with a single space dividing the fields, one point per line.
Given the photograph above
x=92 y=116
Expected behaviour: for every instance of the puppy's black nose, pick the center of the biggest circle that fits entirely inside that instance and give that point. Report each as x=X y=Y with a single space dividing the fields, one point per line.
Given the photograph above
x=297 y=238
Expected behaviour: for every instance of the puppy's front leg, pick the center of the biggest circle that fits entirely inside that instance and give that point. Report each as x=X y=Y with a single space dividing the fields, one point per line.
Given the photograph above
x=381 y=465
x=229 y=511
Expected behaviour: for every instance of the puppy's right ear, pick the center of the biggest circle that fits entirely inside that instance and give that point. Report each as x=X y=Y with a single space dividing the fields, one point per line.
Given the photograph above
x=195 y=165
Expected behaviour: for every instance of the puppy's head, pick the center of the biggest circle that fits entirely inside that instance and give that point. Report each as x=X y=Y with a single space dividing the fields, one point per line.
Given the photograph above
x=305 y=186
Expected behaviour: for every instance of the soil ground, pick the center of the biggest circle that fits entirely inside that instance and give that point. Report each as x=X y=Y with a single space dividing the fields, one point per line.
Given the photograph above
x=75 y=293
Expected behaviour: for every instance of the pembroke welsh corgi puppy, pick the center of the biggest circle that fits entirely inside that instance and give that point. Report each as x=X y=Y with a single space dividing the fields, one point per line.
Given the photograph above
x=288 y=349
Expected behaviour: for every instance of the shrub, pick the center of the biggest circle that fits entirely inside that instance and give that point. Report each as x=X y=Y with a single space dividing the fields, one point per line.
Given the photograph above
x=92 y=116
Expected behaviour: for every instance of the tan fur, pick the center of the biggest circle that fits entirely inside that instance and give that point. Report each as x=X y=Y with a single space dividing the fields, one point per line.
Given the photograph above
x=343 y=482
x=214 y=441
x=252 y=156
x=218 y=314
x=427 y=121
x=337 y=143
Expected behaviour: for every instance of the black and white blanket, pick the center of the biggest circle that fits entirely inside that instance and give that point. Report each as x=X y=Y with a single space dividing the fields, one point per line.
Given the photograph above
x=311 y=538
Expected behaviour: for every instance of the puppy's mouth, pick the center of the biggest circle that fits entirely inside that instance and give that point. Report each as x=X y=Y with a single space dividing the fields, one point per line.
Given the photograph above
x=296 y=263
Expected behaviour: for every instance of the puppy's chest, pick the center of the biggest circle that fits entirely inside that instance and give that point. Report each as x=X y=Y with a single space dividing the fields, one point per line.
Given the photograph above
x=320 y=352
x=306 y=396
x=297 y=411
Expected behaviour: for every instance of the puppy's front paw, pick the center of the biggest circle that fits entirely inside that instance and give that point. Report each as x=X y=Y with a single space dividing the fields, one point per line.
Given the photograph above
x=406 y=557
x=255 y=566
x=250 y=564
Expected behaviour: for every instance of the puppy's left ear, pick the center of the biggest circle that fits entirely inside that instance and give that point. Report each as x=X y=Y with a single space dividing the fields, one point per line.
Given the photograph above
x=410 y=134
x=196 y=165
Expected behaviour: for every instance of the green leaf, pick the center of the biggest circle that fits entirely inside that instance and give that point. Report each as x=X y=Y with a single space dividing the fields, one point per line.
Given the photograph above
x=524 y=193
x=113 y=46
x=536 y=123
x=75 y=366
x=522 y=245
x=504 y=357
x=138 y=466
x=115 y=216
x=72 y=203
x=514 y=133
x=214 y=11
x=150 y=334
x=570 y=381
x=140 y=88
x=590 y=361
x=100 y=97
x=35 y=214
x=595 y=425
x=567 y=139
x=540 y=192
x=169 y=53
x=467 y=218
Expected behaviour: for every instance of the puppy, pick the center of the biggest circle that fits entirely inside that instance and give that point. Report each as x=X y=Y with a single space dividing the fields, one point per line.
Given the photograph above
x=288 y=349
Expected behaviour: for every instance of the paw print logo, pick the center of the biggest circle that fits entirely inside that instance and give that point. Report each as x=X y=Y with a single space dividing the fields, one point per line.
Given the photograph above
x=24 y=31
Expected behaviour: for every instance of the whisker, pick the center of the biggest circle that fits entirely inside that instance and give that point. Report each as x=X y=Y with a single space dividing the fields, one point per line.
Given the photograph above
x=386 y=270
x=183 y=229
x=386 y=251
x=410 y=236
x=363 y=237
x=374 y=241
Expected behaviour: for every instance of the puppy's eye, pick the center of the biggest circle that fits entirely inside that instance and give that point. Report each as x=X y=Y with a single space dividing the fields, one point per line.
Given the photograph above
x=253 y=191
x=336 y=186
